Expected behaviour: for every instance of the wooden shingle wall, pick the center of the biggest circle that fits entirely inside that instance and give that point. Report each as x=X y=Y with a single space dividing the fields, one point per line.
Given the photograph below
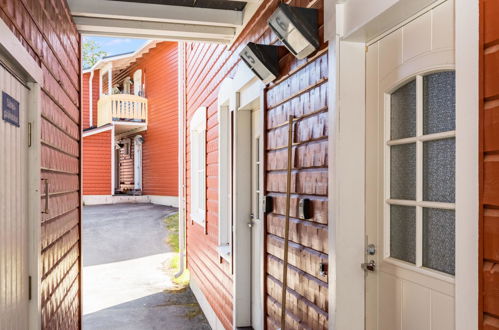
x=489 y=161
x=301 y=90
x=46 y=30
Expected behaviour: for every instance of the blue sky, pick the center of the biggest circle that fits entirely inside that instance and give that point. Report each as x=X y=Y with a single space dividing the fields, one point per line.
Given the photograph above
x=115 y=46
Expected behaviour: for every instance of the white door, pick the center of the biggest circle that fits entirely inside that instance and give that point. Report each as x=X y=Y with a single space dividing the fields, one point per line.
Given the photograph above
x=410 y=173
x=257 y=223
x=13 y=203
x=137 y=83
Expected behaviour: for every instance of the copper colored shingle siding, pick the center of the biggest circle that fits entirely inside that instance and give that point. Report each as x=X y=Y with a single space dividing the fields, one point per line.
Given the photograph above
x=97 y=164
x=489 y=163
x=300 y=91
x=45 y=29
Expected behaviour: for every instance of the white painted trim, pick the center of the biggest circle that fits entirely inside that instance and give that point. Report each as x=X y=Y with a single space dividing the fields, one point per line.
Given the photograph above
x=11 y=45
x=197 y=127
x=365 y=19
x=133 y=28
x=467 y=112
x=137 y=161
x=349 y=181
x=208 y=311
x=97 y=130
x=119 y=199
x=155 y=12
x=91 y=99
x=331 y=21
x=14 y=48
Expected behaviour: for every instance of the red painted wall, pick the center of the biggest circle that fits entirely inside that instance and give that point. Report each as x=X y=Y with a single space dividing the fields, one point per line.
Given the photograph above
x=46 y=30
x=301 y=90
x=97 y=164
x=160 y=149
x=85 y=99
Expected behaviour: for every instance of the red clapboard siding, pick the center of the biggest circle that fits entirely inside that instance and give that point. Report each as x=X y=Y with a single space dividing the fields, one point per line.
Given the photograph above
x=160 y=149
x=301 y=90
x=489 y=167
x=46 y=30
x=97 y=164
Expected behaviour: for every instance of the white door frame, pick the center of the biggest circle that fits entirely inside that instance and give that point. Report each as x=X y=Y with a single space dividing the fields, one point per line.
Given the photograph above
x=346 y=112
x=12 y=47
x=137 y=161
x=246 y=89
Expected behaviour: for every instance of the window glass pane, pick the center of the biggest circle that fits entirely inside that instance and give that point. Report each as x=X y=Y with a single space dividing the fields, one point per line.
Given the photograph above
x=439 y=102
x=439 y=171
x=403 y=171
x=403 y=112
x=403 y=233
x=439 y=240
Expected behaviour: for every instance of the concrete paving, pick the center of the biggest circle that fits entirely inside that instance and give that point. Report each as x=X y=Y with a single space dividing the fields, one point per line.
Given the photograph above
x=126 y=276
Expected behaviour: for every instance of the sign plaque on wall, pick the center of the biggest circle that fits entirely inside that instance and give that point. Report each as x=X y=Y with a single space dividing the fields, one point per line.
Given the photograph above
x=10 y=109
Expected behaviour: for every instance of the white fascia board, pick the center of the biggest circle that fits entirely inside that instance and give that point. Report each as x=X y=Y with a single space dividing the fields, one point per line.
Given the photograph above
x=155 y=12
x=366 y=19
x=153 y=30
x=97 y=130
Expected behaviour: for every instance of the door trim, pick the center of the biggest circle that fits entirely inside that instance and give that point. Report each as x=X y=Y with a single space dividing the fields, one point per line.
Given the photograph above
x=12 y=47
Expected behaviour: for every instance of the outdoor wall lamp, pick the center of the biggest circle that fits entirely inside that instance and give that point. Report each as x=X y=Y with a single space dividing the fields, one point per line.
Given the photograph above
x=262 y=60
x=297 y=28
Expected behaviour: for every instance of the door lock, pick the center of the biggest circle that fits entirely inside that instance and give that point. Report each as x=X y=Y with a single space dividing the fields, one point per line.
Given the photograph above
x=369 y=266
x=371 y=249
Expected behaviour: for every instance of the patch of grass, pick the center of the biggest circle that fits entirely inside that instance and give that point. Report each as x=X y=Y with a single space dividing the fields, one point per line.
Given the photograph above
x=182 y=280
x=171 y=223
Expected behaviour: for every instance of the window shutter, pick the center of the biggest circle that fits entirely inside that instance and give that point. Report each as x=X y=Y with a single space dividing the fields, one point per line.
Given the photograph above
x=198 y=166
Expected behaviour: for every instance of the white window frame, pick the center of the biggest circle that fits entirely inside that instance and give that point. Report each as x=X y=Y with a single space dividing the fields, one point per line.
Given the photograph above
x=419 y=202
x=137 y=83
x=225 y=183
x=197 y=141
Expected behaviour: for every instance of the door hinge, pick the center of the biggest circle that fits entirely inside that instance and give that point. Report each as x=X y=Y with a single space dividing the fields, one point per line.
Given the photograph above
x=29 y=287
x=29 y=135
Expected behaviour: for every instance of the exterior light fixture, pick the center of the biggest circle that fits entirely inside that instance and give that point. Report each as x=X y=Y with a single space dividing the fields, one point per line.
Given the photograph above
x=297 y=28
x=262 y=60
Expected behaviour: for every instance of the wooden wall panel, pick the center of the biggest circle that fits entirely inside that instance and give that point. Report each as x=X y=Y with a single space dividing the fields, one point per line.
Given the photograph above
x=46 y=30
x=97 y=164
x=489 y=166
x=301 y=90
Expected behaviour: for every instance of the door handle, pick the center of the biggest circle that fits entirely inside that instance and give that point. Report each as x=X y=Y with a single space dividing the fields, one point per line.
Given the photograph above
x=46 y=209
x=369 y=266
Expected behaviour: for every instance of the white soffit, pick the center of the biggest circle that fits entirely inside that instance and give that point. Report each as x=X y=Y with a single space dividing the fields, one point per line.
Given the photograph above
x=159 y=21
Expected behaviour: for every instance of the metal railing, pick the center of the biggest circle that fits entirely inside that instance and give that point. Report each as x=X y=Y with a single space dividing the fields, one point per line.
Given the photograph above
x=121 y=107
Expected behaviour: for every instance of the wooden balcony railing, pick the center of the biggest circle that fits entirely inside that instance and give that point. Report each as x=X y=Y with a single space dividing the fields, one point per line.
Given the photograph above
x=121 y=107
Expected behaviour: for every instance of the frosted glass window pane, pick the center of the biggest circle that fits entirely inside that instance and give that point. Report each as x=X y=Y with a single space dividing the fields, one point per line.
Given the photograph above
x=439 y=240
x=439 y=102
x=439 y=171
x=403 y=171
x=403 y=233
x=403 y=112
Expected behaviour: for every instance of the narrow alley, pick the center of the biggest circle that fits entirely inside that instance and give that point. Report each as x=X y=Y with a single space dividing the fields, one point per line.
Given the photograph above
x=127 y=271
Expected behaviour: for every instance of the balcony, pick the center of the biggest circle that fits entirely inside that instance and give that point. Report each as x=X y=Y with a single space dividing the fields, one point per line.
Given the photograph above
x=123 y=109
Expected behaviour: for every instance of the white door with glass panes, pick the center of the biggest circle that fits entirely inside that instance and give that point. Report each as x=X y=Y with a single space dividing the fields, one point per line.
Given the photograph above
x=410 y=175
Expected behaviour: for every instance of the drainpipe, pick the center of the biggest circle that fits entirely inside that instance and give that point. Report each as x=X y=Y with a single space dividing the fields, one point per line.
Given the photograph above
x=91 y=100
x=182 y=102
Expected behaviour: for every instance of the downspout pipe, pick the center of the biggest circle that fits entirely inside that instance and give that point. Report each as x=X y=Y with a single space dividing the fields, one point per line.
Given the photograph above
x=91 y=100
x=182 y=102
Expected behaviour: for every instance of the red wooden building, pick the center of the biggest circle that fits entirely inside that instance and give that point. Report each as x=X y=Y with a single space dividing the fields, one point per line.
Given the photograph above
x=130 y=127
x=394 y=167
